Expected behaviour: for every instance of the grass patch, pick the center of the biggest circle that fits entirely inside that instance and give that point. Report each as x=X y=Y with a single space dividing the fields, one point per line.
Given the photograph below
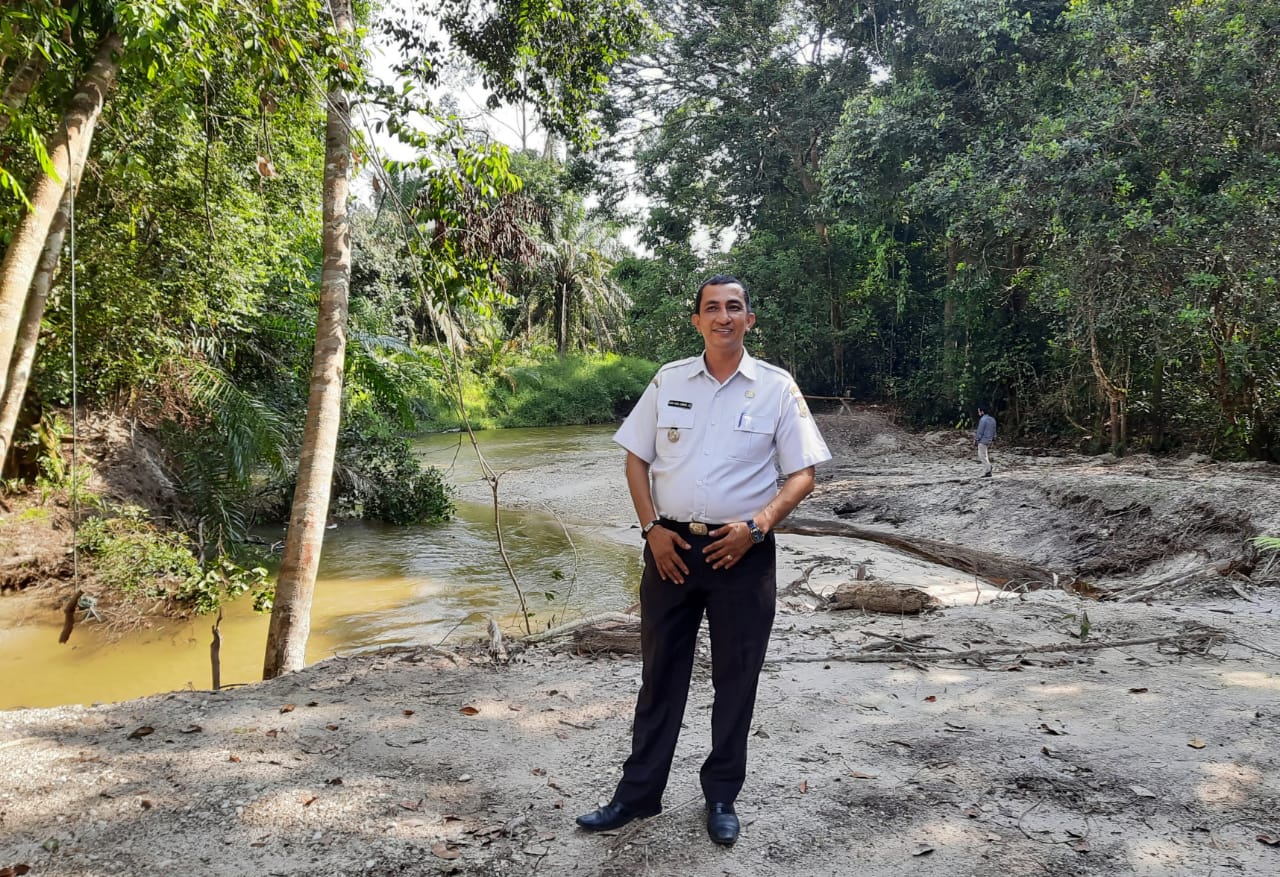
x=544 y=390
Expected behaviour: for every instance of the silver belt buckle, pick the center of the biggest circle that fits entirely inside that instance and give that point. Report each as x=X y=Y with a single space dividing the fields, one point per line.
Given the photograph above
x=698 y=528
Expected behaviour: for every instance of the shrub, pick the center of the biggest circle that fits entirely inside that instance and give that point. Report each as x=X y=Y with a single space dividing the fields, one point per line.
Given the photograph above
x=574 y=390
x=379 y=478
x=138 y=560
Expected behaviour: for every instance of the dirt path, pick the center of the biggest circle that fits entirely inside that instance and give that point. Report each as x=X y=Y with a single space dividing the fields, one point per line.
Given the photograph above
x=1155 y=759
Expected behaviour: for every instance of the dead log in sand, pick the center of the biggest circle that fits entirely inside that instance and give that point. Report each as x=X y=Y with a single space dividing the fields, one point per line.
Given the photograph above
x=589 y=621
x=882 y=597
x=613 y=637
x=1000 y=571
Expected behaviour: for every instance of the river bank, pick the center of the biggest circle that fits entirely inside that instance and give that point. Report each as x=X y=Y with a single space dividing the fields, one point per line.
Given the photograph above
x=1030 y=749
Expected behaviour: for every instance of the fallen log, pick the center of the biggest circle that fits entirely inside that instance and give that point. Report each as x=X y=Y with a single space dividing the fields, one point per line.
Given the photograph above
x=882 y=597
x=613 y=637
x=566 y=629
x=997 y=569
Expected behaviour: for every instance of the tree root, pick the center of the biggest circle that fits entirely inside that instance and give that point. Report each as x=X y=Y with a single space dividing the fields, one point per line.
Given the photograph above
x=995 y=568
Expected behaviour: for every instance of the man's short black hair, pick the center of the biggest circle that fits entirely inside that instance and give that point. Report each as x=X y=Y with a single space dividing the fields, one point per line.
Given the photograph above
x=721 y=280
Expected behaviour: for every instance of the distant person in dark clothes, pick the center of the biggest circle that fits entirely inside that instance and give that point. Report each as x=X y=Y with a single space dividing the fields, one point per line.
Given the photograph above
x=984 y=436
x=705 y=446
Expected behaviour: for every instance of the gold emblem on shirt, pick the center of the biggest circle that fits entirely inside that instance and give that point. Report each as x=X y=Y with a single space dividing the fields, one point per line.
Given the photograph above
x=673 y=435
x=751 y=394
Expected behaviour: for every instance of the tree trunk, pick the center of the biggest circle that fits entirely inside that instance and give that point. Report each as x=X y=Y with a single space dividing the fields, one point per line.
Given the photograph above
x=562 y=327
x=291 y=614
x=24 y=352
x=68 y=148
x=1157 y=400
x=950 y=343
x=15 y=93
x=613 y=639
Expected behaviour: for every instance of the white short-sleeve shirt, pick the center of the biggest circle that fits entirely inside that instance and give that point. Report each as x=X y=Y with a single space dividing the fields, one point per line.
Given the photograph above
x=715 y=450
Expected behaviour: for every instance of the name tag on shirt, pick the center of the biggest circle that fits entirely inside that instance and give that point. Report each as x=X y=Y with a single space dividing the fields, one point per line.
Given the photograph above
x=676 y=403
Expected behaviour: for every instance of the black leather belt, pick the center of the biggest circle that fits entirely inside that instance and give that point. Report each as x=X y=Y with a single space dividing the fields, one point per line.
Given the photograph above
x=689 y=528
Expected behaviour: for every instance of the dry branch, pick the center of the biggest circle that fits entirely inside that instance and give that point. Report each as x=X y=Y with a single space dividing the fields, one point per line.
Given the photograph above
x=995 y=568
x=1200 y=636
x=497 y=650
x=69 y=616
x=215 y=652
x=565 y=629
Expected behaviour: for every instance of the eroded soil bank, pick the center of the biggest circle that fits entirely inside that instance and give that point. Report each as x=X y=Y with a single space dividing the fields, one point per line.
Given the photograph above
x=1028 y=750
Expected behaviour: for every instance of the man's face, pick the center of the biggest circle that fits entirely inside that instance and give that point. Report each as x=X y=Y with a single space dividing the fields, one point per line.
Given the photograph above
x=723 y=319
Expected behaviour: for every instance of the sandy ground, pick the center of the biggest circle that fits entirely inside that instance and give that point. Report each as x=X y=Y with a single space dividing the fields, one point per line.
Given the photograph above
x=1074 y=759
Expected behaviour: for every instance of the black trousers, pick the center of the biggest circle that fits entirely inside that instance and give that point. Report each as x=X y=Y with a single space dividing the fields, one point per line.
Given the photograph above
x=739 y=604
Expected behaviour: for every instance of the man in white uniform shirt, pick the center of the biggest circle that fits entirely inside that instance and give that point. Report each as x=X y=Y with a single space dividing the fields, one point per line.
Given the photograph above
x=705 y=445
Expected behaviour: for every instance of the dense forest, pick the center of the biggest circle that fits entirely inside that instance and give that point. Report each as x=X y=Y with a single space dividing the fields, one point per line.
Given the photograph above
x=1065 y=211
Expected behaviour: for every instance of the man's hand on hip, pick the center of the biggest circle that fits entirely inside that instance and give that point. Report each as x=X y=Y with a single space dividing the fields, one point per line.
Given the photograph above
x=662 y=545
x=732 y=541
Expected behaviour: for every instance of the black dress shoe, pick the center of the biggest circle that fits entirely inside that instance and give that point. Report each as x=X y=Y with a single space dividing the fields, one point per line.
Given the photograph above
x=722 y=822
x=613 y=815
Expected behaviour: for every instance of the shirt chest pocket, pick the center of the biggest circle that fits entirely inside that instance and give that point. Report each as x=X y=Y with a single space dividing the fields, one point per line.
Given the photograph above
x=675 y=432
x=752 y=438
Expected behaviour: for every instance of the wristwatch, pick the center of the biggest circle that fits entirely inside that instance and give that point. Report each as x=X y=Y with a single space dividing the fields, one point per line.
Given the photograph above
x=644 y=531
x=757 y=535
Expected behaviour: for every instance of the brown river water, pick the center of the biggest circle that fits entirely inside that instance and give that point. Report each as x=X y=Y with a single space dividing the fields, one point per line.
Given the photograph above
x=378 y=585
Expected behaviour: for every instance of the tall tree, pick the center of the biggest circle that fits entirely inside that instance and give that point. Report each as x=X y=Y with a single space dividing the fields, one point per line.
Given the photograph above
x=15 y=388
x=291 y=613
x=733 y=115
x=20 y=84
x=68 y=148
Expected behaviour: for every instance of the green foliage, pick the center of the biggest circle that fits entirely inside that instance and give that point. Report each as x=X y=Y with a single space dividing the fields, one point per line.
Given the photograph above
x=1267 y=543
x=378 y=478
x=661 y=290
x=572 y=390
x=224 y=580
x=555 y=56
x=54 y=473
x=131 y=555
x=542 y=389
x=1082 y=198
x=139 y=560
